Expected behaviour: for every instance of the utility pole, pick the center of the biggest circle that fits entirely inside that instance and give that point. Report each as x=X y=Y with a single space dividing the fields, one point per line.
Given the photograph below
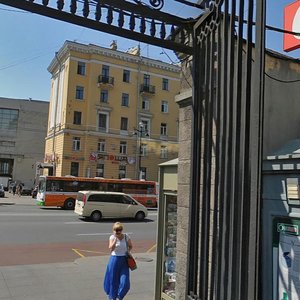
x=140 y=132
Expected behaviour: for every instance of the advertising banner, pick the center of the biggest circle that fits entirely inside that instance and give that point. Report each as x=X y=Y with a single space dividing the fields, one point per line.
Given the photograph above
x=286 y=258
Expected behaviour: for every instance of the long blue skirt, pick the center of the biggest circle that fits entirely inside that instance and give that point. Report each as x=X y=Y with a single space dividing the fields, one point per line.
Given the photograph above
x=116 y=279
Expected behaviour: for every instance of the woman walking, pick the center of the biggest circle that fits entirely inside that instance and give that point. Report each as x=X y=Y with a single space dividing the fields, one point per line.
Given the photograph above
x=116 y=280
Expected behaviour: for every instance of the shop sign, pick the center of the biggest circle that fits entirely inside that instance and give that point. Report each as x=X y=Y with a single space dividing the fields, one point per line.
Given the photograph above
x=72 y=157
x=116 y=158
x=93 y=156
x=291 y=23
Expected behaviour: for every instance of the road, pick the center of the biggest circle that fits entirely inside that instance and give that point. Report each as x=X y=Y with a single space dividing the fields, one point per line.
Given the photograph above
x=30 y=234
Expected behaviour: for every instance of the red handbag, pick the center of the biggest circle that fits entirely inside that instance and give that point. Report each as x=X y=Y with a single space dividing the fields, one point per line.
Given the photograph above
x=130 y=260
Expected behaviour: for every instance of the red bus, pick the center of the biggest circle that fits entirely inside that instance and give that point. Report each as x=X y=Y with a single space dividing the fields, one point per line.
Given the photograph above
x=62 y=191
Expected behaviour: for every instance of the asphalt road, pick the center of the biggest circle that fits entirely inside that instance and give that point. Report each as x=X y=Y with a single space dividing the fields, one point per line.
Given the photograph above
x=30 y=234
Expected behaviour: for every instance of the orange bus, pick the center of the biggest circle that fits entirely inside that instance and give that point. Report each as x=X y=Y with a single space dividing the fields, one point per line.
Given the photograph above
x=62 y=191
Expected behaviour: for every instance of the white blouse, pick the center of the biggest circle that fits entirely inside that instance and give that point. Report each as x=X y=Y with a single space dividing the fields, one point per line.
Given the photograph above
x=121 y=248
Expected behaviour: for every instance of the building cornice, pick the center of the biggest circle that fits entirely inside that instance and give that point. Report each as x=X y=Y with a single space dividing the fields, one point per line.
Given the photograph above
x=69 y=46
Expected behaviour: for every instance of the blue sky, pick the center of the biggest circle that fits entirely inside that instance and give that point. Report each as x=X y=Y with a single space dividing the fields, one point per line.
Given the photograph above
x=28 y=43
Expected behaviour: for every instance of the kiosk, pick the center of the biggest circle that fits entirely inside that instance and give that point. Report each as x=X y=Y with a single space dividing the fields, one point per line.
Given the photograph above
x=167 y=231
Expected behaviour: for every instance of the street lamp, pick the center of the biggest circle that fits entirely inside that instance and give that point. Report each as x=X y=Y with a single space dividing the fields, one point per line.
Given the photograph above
x=140 y=132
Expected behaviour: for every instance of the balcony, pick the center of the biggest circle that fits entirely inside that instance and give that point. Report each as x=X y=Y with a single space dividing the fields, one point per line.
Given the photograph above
x=147 y=89
x=105 y=80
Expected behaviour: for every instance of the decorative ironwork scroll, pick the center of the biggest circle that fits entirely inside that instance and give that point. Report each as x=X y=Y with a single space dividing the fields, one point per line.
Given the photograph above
x=136 y=21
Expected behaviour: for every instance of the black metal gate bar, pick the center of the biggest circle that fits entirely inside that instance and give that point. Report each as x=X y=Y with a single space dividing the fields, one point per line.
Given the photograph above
x=207 y=165
x=195 y=189
x=223 y=65
x=246 y=143
x=238 y=189
x=217 y=241
x=256 y=141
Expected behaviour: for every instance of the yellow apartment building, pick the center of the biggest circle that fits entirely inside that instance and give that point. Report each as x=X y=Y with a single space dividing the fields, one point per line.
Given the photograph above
x=112 y=114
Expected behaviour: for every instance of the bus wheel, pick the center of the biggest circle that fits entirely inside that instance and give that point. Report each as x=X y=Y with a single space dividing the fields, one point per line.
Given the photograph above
x=140 y=216
x=69 y=204
x=96 y=216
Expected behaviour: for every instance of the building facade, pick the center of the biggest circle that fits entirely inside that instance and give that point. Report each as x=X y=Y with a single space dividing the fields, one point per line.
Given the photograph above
x=23 y=123
x=112 y=114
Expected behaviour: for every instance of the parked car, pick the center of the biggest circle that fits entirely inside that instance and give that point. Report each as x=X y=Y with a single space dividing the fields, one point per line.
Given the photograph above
x=26 y=191
x=2 y=192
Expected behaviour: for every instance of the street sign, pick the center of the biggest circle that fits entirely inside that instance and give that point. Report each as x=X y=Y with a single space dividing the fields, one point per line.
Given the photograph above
x=291 y=23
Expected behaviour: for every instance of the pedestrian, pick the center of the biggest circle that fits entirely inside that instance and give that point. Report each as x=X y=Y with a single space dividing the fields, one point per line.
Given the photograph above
x=20 y=189
x=14 y=189
x=116 y=279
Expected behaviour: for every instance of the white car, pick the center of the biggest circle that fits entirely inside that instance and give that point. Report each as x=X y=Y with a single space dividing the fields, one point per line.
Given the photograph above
x=98 y=205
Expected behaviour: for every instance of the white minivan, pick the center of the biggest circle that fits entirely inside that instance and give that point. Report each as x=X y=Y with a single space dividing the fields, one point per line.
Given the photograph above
x=98 y=205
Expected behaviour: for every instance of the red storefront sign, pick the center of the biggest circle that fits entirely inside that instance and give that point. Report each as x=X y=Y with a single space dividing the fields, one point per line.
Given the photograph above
x=291 y=23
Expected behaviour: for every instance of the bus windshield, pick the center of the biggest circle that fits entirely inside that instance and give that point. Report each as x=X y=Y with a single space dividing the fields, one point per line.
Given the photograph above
x=42 y=185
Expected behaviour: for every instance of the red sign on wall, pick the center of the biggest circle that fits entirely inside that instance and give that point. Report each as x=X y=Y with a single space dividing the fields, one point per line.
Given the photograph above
x=291 y=23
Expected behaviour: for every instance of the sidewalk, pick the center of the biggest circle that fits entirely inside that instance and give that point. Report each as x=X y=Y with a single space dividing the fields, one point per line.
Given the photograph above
x=11 y=199
x=78 y=280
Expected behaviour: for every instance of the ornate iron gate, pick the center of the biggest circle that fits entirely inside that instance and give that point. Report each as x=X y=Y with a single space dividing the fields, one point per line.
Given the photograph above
x=227 y=141
x=227 y=133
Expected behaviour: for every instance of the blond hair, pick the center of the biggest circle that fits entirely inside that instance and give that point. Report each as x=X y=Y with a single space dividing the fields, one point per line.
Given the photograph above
x=117 y=225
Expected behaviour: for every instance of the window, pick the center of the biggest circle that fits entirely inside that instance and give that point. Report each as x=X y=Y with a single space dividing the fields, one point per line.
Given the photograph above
x=164 y=106
x=126 y=76
x=146 y=79
x=144 y=149
x=163 y=129
x=123 y=147
x=165 y=84
x=146 y=128
x=7 y=144
x=79 y=92
x=9 y=119
x=122 y=171
x=103 y=122
x=104 y=96
x=163 y=152
x=105 y=70
x=145 y=103
x=143 y=174
x=81 y=68
x=124 y=124
x=4 y=167
x=77 y=118
x=100 y=170
x=74 y=168
x=76 y=143
x=101 y=145
x=125 y=99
